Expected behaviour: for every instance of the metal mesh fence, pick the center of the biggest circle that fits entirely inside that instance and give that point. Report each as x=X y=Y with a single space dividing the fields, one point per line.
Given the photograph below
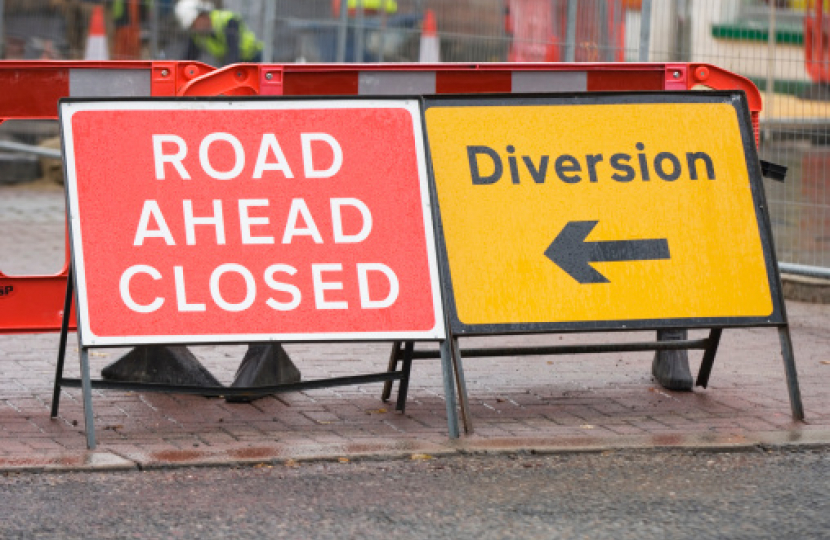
x=781 y=45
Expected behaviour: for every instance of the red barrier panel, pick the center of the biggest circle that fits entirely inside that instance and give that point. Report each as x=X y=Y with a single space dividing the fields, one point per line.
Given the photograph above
x=31 y=90
x=447 y=78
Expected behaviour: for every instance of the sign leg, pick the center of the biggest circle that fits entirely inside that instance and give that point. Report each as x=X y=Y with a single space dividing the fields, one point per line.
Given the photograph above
x=393 y=365
x=67 y=306
x=462 y=388
x=86 y=389
x=449 y=388
x=792 y=376
x=403 y=384
x=709 y=357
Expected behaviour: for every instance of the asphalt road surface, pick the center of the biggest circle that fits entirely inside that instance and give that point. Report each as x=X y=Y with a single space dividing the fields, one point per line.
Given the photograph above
x=614 y=495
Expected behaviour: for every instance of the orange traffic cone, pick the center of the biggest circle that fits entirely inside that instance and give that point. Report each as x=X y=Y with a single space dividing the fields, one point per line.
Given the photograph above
x=430 y=46
x=96 y=41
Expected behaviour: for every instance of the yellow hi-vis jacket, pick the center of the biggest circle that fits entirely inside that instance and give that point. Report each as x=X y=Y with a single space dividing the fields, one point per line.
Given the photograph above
x=217 y=42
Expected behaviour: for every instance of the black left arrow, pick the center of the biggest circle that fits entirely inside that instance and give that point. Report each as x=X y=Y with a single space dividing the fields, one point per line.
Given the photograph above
x=573 y=254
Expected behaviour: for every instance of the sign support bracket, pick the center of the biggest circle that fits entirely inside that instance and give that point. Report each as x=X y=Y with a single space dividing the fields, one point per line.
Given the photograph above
x=403 y=385
x=67 y=306
x=393 y=365
x=408 y=355
x=708 y=357
x=709 y=345
x=789 y=368
x=86 y=383
x=449 y=387
x=466 y=418
x=86 y=391
x=478 y=352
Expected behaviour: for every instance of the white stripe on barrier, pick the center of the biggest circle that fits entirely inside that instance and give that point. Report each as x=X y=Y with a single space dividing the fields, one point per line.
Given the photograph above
x=549 y=81
x=396 y=82
x=110 y=82
x=424 y=82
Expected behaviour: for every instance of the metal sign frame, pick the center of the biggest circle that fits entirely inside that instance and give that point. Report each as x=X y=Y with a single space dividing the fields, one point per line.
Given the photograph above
x=76 y=283
x=708 y=345
x=70 y=107
x=735 y=99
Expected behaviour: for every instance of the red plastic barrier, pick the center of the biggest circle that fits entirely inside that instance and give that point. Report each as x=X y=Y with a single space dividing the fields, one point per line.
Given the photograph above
x=31 y=90
x=447 y=78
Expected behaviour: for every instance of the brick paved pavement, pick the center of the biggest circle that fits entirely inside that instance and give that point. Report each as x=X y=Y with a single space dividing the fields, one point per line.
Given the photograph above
x=535 y=403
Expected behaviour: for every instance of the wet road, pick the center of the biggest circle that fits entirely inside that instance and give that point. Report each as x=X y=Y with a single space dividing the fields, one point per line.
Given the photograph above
x=752 y=495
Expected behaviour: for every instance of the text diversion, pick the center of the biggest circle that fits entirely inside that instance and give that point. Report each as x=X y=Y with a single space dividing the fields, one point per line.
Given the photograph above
x=591 y=167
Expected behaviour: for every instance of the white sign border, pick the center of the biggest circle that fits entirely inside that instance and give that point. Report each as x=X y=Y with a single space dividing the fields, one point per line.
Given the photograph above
x=68 y=108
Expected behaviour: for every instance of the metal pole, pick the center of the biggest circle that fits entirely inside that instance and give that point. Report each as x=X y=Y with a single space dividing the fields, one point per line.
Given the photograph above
x=86 y=390
x=792 y=376
x=154 y=29
x=449 y=388
x=602 y=26
x=570 y=35
x=31 y=149
x=67 y=308
x=2 y=36
x=804 y=270
x=461 y=383
x=342 y=31
x=645 y=31
x=393 y=366
x=360 y=22
x=403 y=383
x=770 y=90
x=270 y=18
x=683 y=41
x=709 y=357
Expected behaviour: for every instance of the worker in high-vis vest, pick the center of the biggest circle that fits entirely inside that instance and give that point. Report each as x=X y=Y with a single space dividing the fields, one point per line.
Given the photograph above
x=221 y=33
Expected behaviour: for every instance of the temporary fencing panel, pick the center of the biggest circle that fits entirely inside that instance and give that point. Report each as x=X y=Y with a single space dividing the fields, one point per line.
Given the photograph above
x=781 y=46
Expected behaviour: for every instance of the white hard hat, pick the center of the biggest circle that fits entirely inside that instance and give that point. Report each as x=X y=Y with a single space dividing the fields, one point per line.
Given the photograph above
x=188 y=10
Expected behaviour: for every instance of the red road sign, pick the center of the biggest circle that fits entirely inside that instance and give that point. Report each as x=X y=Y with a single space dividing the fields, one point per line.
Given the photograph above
x=230 y=221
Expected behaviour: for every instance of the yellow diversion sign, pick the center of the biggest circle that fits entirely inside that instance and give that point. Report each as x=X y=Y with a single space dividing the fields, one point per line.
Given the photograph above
x=601 y=211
